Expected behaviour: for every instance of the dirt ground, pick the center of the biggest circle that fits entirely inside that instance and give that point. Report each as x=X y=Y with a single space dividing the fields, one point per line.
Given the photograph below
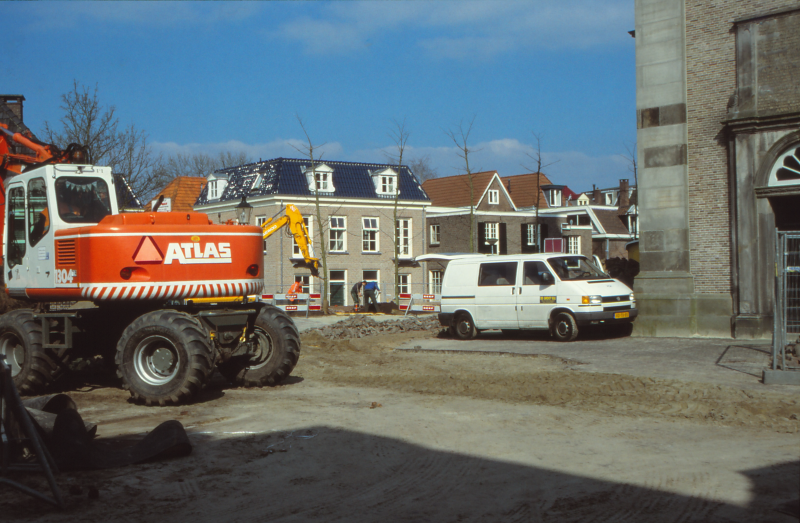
x=364 y=432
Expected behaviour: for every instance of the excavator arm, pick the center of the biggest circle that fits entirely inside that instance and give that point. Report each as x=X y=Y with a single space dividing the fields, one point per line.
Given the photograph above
x=294 y=219
x=44 y=153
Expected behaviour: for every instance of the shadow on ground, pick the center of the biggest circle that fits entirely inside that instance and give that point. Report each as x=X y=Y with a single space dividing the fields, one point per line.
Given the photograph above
x=321 y=473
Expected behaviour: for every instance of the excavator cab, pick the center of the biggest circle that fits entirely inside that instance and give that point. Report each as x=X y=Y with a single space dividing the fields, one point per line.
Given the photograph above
x=40 y=202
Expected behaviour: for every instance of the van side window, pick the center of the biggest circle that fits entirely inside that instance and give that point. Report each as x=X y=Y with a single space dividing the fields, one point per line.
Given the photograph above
x=533 y=271
x=504 y=273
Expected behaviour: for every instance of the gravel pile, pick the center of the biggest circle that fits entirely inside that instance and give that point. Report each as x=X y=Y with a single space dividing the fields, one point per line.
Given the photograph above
x=363 y=326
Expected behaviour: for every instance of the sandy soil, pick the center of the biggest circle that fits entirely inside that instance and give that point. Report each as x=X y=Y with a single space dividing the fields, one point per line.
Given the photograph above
x=364 y=432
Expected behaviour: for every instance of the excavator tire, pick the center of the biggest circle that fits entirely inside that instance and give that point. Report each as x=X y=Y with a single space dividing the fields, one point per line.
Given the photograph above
x=32 y=367
x=279 y=344
x=164 y=357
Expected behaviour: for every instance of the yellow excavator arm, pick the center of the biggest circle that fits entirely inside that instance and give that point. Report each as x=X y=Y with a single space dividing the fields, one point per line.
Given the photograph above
x=297 y=227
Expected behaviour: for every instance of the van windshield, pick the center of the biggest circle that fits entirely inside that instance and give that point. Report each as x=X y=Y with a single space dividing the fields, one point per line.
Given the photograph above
x=574 y=268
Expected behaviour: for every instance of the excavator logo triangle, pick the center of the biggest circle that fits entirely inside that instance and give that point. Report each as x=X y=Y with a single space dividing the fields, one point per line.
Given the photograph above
x=147 y=252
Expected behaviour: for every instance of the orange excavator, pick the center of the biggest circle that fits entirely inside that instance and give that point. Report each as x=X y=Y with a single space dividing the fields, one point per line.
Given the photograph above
x=297 y=228
x=65 y=240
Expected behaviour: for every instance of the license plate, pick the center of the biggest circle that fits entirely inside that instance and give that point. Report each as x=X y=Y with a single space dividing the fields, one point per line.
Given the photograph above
x=619 y=315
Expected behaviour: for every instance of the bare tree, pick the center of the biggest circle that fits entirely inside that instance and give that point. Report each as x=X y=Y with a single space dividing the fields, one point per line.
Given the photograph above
x=309 y=151
x=422 y=168
x=87 y=122
x=536 y=156
x=632 y=162
x=632 y=167
x=399 y=136
x=460 y=137
x=200 y=164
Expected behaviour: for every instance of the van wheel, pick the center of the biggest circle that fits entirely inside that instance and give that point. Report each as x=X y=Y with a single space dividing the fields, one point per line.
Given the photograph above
x=564 y=327
x=464 y=328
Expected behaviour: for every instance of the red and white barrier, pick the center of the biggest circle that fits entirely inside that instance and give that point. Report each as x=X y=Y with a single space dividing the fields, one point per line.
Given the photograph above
x=420 y=302
x=305 y=302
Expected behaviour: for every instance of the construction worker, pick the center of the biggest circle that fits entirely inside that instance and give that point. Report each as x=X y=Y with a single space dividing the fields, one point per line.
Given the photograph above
x=355 y=293
x=296 y=288
x=370 y=288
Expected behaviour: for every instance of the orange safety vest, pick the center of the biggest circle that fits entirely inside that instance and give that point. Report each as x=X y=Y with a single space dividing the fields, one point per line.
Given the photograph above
x=296 y=288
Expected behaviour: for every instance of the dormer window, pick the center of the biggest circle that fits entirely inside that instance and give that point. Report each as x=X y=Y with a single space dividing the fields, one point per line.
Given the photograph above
x=555 y=198
x=609 y=198
x=321 y=180
x=216 y=186
x=385 y=182
x=256 y=182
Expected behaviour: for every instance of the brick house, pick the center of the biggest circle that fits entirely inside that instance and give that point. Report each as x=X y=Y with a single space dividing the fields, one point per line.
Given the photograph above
x=357 y=202
x=718 y=112
x=506 y=220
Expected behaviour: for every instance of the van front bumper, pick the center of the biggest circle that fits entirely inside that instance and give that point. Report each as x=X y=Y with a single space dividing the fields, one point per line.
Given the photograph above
x=587 y=318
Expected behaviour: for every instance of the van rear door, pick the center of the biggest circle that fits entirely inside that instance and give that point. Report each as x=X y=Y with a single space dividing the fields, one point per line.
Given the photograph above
x=495 y=296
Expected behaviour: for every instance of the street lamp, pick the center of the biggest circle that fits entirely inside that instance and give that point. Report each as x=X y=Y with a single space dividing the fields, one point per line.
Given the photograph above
x=244 y=210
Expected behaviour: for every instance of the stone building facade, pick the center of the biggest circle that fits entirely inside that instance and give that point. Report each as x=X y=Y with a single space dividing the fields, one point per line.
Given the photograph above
x=357 y=222
x=718 y=105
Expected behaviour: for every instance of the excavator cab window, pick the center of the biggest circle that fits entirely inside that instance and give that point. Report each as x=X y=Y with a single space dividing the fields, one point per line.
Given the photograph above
x=38 y=212
x=16 y=226
x=82 y=199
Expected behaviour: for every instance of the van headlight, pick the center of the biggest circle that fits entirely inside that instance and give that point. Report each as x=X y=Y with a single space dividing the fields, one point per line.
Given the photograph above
x=592 y=300
x=633 y=300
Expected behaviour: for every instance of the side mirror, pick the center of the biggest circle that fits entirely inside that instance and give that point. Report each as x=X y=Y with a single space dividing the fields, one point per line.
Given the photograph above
x=547 y=278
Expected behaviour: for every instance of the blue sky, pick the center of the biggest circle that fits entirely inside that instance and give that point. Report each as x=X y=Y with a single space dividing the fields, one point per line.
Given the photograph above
x=211 y=76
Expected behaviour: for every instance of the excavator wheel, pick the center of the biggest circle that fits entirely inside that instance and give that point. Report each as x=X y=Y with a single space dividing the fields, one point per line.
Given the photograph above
x=164 y=357
x=32 y=367
x=278 y=351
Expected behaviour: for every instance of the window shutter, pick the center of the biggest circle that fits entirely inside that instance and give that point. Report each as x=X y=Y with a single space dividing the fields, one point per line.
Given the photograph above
x=502 y=239
x=482 y=247
x=542 y=236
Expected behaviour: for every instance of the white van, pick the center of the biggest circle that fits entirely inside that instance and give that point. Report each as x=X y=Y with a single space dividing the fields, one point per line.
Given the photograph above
x=555 y=291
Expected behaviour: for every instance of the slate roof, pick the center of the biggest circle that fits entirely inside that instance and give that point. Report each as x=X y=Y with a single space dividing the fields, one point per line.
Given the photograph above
x=453 y=191
x=611 y=221
x=284 y=176
x=522 y=189
x=182 y=192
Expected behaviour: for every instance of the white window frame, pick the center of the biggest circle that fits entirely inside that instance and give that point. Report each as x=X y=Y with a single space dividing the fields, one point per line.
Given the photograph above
x=386 y=181
x=339 y=230
x=494 y=197
x=555 y=198
x=213 y=194
x=330 y=280
x=369 y=228
x=404 y=286
x=530 y=234
x=388 y=184
x=493 y=236
x=308 y=283
x=260 y=221
x=609 y=197
x=435 y=281
x=309 y=221
x=573 y=244
x=404 y=244
x=435 y=234
x=321 y=180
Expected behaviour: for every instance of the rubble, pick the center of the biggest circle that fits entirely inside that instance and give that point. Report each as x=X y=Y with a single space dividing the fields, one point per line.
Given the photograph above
x=364 y=326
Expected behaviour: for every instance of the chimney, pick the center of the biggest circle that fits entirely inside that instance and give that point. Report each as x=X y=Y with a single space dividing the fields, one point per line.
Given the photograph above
x=14 y=102
x=596 y=195
x=623 y=200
